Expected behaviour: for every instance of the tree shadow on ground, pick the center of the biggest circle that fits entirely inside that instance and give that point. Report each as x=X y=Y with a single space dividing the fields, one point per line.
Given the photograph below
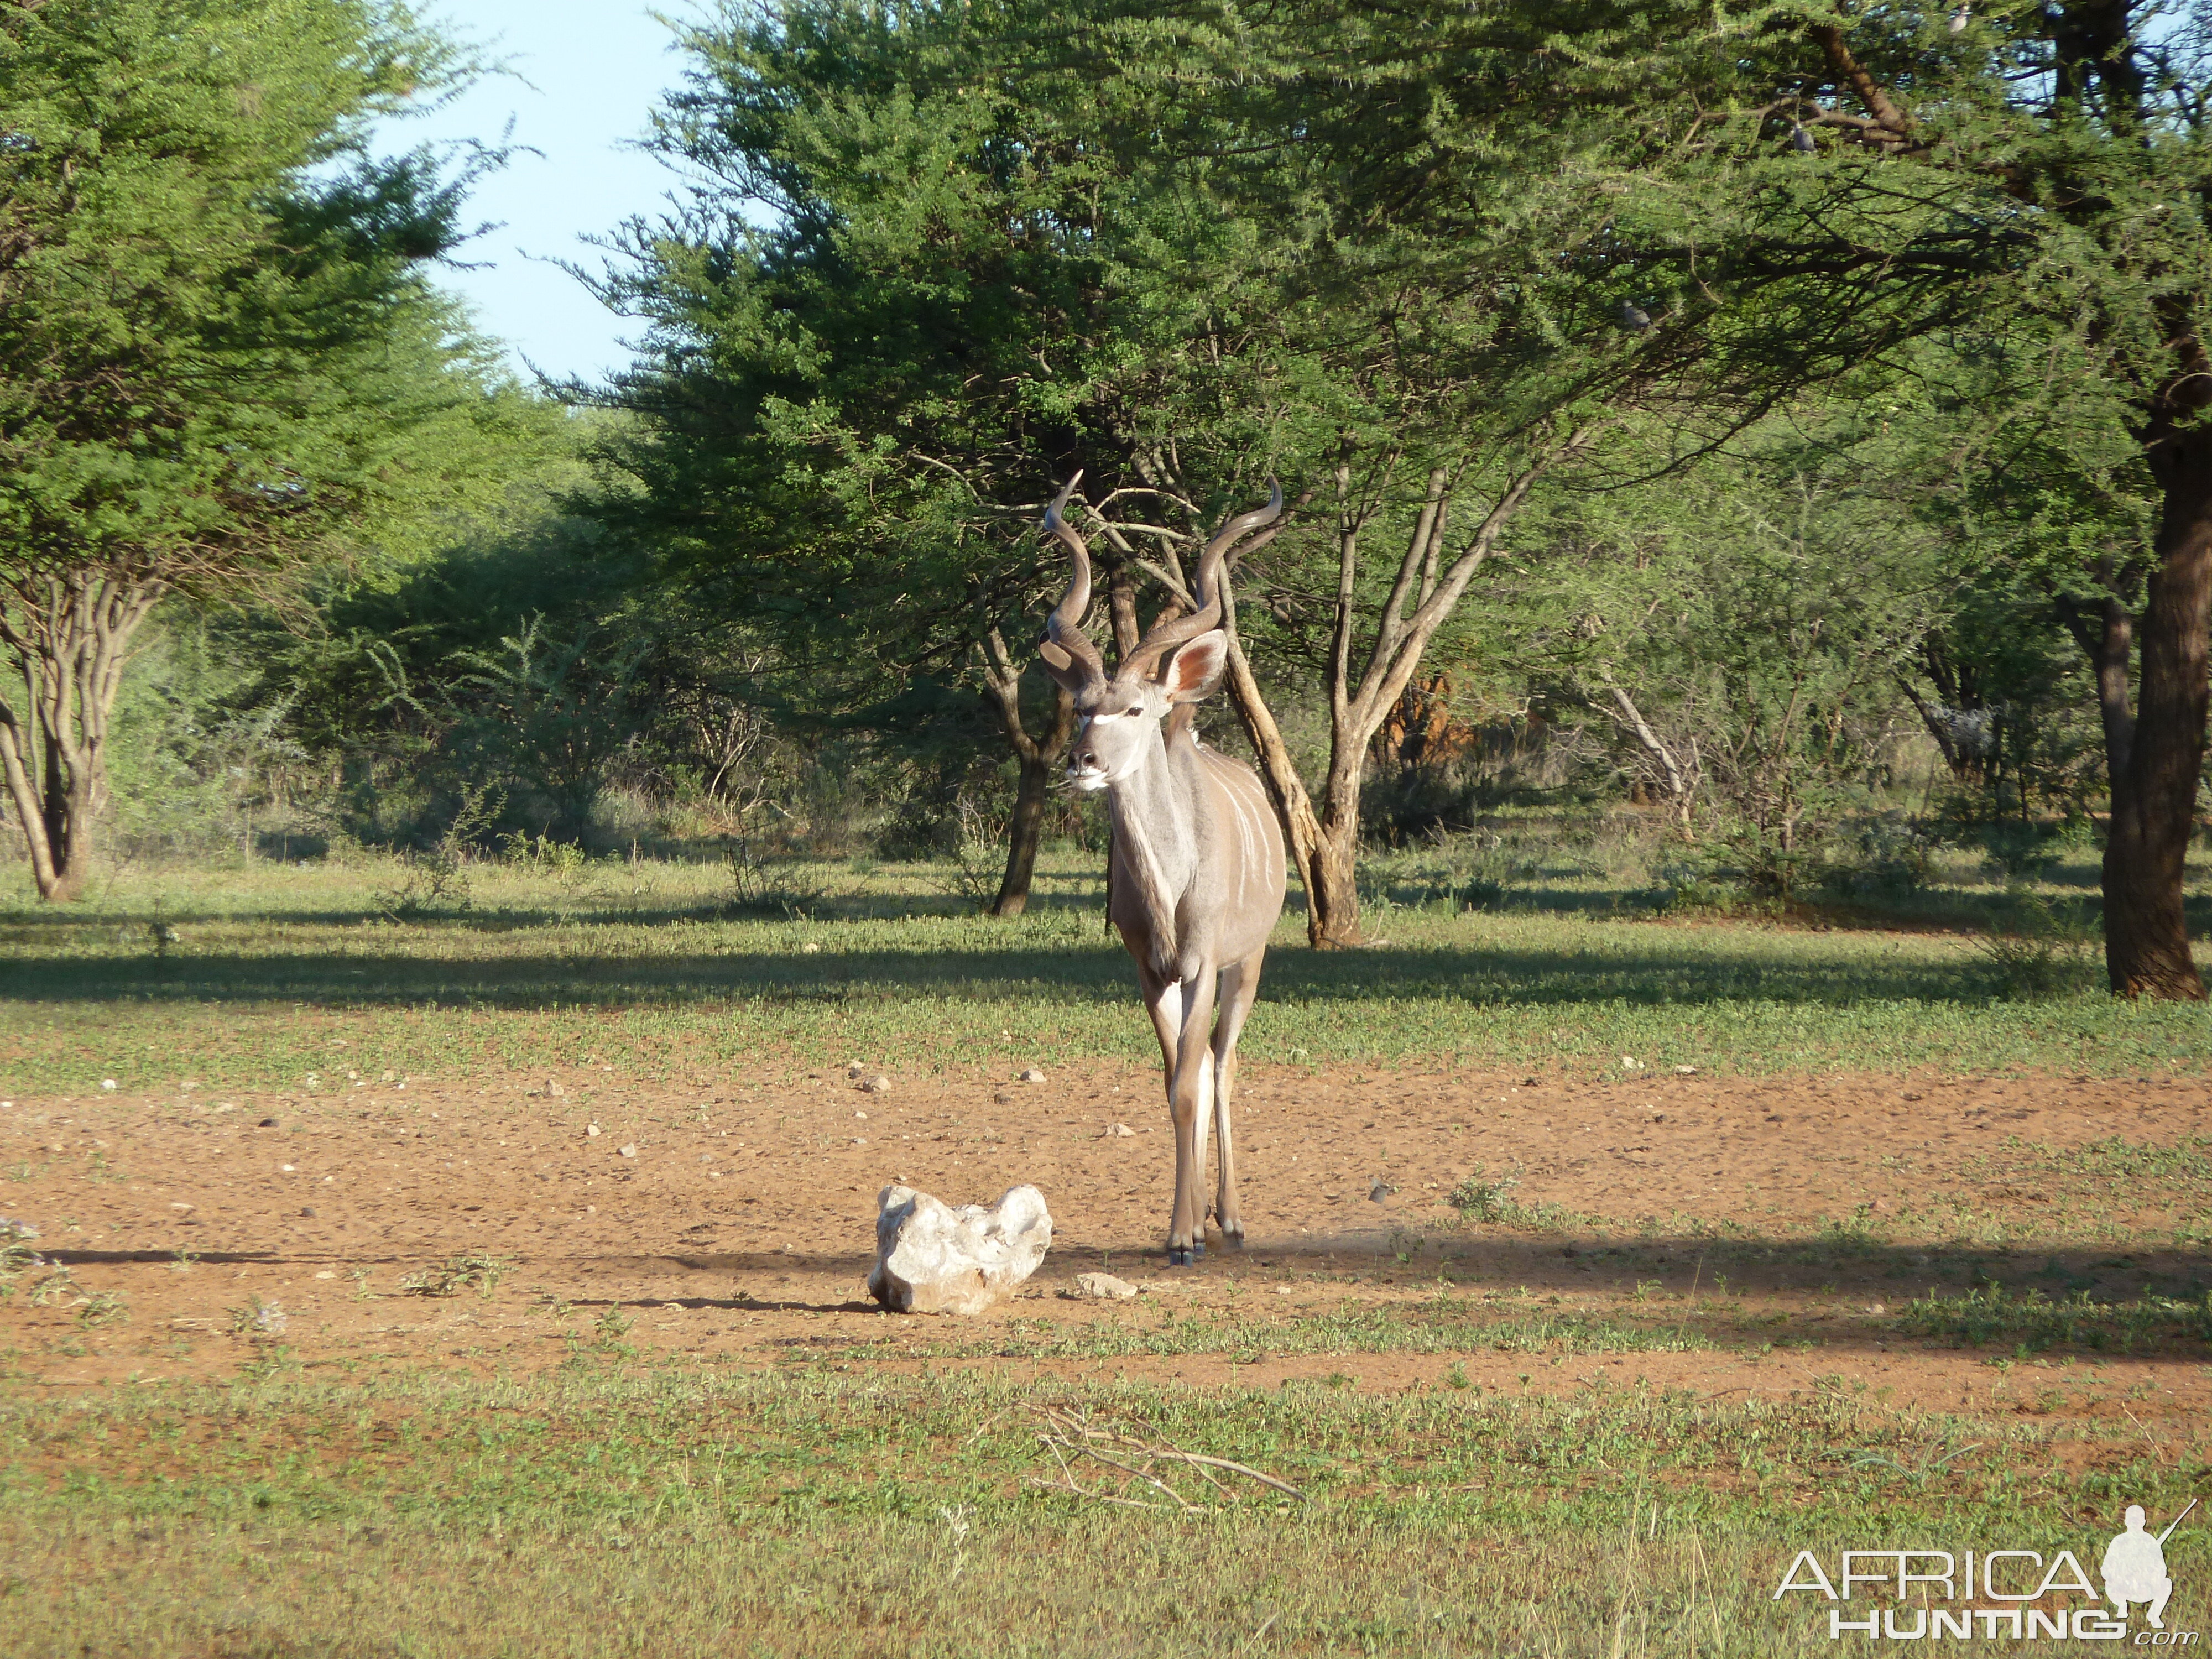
x=2151 y=1303
x=1678 y=1265
x=1622 y=968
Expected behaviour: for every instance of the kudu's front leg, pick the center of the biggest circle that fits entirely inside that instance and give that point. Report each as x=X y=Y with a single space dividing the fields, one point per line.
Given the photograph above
x=1190 y=1097
x=1164 y=1001
x=1240 y=984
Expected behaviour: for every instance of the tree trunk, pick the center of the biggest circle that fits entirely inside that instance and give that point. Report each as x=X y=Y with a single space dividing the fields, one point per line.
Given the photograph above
x=1335 y=924
x=1326 y=862
x=30 y=811
x=1681 y=771
x=2115 y=647
x=2107 y=636
x=2154 y=791
x=1023 y=836
x=1336 y=858
x=69 y=816
x=1325 y=849
x=1002 y=679
x=1332 y=897
x=69 y=636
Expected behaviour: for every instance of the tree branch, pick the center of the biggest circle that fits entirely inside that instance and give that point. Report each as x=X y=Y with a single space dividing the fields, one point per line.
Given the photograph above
x=1829 y=37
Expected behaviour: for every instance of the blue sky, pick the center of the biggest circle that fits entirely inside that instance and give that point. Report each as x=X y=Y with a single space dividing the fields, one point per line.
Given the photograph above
x=584 y=75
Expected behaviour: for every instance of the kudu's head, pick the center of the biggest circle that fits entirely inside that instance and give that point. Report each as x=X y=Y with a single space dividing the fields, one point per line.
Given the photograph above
x=1179 y=661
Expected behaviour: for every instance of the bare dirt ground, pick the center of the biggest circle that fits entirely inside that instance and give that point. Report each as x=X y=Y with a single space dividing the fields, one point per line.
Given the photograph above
x=734 y=1219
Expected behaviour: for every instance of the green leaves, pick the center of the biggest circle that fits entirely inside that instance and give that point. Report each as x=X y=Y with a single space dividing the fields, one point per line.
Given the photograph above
x=219 y=360
x=215 y=347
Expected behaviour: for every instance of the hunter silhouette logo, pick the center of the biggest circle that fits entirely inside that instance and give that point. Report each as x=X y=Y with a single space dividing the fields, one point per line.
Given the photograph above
x=2006 y=1594
x=2135 y=1567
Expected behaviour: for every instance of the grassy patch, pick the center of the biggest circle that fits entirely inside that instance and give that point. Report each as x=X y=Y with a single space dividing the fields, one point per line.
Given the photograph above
x=610 y=1509
x=1489 y=1198
x=837 y=1493
x=1447 y=1328
x=480 y=1273
x=2112 y=1192
x=651 y=966
x=2030 y=1323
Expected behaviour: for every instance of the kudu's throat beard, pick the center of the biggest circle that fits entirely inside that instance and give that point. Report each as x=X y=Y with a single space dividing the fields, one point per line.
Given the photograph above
x=1156 y=887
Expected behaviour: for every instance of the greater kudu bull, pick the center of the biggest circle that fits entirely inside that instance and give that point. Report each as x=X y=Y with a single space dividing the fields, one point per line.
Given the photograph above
x=1198 y=870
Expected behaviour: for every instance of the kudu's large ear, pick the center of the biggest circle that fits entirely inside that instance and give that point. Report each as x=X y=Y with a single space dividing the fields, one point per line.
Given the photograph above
x=1195 y=669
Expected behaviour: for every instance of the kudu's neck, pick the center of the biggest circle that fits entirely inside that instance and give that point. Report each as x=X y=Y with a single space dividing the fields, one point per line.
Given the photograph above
x=1155 y=838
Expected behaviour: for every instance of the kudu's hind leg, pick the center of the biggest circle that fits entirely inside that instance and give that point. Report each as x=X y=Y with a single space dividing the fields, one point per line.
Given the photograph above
x=1240 y=984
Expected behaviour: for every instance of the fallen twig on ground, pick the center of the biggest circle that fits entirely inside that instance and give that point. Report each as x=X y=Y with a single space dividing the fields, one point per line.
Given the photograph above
x=1068 y=1435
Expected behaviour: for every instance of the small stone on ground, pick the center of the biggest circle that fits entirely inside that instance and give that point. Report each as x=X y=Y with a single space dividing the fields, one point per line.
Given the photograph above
x=1103 y=1287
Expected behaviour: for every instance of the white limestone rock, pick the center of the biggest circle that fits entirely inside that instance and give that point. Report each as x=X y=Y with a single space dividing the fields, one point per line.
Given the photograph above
x=931 y=1258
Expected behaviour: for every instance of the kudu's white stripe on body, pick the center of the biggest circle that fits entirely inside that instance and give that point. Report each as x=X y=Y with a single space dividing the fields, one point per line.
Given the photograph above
x=1248 y=842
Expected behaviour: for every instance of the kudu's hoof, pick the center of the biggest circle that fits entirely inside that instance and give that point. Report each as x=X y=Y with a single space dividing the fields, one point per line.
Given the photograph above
x=1185 y=1255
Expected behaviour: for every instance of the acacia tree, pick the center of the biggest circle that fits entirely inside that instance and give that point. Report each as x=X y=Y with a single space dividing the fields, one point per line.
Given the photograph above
x=1328 y=615
x=999 y=251
x=830 y=408
x=216 y=354
x=1746 y=634
x=2076 y=132
x=1415 y=377
x=1782 y=197
x=851 y=417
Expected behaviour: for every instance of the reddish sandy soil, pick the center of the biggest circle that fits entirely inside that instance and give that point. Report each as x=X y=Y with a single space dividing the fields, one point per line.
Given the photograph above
x=739 y=1223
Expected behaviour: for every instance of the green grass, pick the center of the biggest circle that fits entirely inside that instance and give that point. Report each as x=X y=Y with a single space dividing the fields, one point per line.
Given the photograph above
x=2111 y=1191
x=2034 y=1323
x=268 y=965
x=863 y=1498
x=1442 y=1328
x=617 y=1509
